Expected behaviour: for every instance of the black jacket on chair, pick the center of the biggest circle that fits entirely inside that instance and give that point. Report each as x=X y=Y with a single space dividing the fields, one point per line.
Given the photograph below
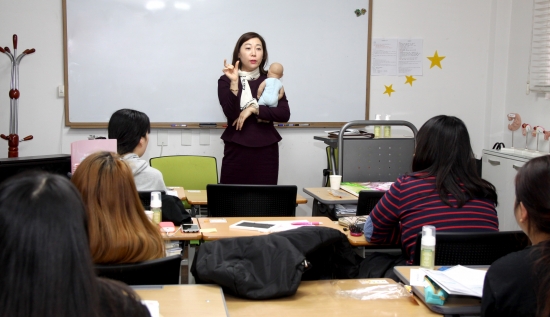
x=271 y=266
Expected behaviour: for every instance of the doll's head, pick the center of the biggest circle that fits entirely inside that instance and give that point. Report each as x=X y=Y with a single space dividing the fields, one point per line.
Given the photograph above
x=275 y=71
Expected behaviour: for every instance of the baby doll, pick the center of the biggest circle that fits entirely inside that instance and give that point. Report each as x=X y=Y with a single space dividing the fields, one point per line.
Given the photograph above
x=271 y=90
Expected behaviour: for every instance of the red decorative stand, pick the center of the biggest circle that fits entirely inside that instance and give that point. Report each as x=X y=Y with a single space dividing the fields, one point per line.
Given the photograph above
x=13 y=137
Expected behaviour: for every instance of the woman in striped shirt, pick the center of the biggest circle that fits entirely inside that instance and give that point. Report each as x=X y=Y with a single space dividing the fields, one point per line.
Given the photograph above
x=444 y=190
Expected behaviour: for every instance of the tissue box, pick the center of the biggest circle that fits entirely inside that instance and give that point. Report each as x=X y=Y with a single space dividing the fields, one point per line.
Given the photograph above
x=433 y=294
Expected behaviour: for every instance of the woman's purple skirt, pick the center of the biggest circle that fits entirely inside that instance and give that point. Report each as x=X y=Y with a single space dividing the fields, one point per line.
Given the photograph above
x=250 y=165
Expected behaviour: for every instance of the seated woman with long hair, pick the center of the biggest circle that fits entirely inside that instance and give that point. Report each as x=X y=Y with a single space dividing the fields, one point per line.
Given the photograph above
x=519 y=284
x=118 y=227
x=444 y=190
x=45 y=259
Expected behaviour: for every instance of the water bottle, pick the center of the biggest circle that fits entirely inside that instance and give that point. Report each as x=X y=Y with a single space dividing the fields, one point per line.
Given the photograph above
x=427 y=249
x=387 y=128
x=377 y=128
x=156 y=207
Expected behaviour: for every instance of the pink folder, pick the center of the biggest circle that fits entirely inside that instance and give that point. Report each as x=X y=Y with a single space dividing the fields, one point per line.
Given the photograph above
x=81 y=149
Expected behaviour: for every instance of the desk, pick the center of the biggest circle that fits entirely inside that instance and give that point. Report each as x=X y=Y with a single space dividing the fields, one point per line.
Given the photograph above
x=197 y=198
x=323 y=201
x=319 y=298
x=180 y=191
x=323 y=195
x=187 y=300
x=223 y=231
x=454 y=305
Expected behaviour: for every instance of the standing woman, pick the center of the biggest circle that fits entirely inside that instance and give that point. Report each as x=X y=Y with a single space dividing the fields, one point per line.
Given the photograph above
x=251 y=152
x=519 y=284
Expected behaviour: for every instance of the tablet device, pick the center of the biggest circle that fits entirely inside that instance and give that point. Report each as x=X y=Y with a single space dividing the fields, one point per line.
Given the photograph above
x=253 y=225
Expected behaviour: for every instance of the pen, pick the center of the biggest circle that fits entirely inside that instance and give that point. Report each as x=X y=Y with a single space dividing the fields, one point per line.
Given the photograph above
x=304 y=124
x=306 y=223
x=178 y=125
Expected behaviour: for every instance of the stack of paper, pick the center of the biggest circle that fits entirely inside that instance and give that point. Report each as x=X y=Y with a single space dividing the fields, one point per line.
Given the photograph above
x=459 y=280
x=354 y=187
x=345 y=210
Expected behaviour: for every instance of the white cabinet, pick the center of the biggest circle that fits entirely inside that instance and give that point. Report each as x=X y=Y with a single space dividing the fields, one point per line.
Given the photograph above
x=500 y=169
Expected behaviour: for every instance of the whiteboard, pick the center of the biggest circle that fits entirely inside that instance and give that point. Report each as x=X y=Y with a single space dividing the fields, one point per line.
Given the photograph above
x=165 y=57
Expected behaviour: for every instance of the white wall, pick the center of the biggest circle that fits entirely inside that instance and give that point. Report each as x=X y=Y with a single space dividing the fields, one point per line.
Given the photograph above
x=533 y=108
x=483 y=77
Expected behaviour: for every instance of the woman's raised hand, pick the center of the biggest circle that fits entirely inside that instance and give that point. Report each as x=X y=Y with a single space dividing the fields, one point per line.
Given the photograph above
x=232 y=72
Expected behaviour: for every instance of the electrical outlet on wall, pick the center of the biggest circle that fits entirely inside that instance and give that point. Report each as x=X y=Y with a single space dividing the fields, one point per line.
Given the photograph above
x=162 y=138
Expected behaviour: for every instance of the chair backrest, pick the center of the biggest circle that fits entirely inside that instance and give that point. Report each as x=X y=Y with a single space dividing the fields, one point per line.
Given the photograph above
x=329 y=170
x=367 y=200
x=187 y=171
x=154 y=272
x=251 y=200
x=472 y=248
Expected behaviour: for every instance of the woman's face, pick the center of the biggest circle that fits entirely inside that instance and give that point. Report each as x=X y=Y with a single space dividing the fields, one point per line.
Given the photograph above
x=251 y=54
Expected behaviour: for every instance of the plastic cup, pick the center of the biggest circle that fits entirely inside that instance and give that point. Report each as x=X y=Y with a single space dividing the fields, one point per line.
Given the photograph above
x=335 y=181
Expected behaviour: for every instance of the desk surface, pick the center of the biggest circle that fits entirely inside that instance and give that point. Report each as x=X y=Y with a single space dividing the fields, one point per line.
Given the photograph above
x=323 y=194
x=223 y=231
x=198 y=197
x=182 y=236
x=463 y=305
x=320 y=298
x=180 y=191
x=187 y=300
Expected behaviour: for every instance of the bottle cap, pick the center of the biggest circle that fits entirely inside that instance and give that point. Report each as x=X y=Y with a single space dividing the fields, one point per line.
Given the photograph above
x=156 y=200
x=428 y=235
x=378 y=117
x=388 y=117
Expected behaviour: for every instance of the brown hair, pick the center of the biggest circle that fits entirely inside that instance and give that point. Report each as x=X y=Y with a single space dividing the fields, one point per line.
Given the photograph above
x=245 y=37
x=119 y=231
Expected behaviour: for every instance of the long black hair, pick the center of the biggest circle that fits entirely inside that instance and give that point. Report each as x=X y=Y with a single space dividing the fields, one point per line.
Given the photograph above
x=533 y=190
x=45 y=261
x=245 y=37
x=443 y=150
x=128 y=126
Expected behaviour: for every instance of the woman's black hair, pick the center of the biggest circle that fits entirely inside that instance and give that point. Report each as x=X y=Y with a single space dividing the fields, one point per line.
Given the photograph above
x=443 y=150
x=44 y=253
x=245 y=37
x=128 y=126
x=533 y=190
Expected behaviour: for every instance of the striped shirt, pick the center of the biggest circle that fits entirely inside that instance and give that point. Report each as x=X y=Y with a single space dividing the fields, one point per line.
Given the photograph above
x=412 y=202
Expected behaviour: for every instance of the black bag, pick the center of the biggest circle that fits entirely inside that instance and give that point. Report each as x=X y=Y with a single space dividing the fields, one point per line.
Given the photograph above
x=272 y=266
x=174 y=211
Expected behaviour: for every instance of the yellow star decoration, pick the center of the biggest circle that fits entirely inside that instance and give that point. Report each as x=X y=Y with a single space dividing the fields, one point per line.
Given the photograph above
x=436 y=60
x=410 y=79
x=389 y=90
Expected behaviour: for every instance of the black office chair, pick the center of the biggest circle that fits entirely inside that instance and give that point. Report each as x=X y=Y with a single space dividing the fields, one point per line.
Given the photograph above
x=367 y=200
x=251 y=200
x=472 y=248
x=154 y=272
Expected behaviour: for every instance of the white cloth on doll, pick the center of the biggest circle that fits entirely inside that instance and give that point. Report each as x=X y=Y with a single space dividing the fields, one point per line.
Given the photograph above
x=246 y=95
x=270 y=96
